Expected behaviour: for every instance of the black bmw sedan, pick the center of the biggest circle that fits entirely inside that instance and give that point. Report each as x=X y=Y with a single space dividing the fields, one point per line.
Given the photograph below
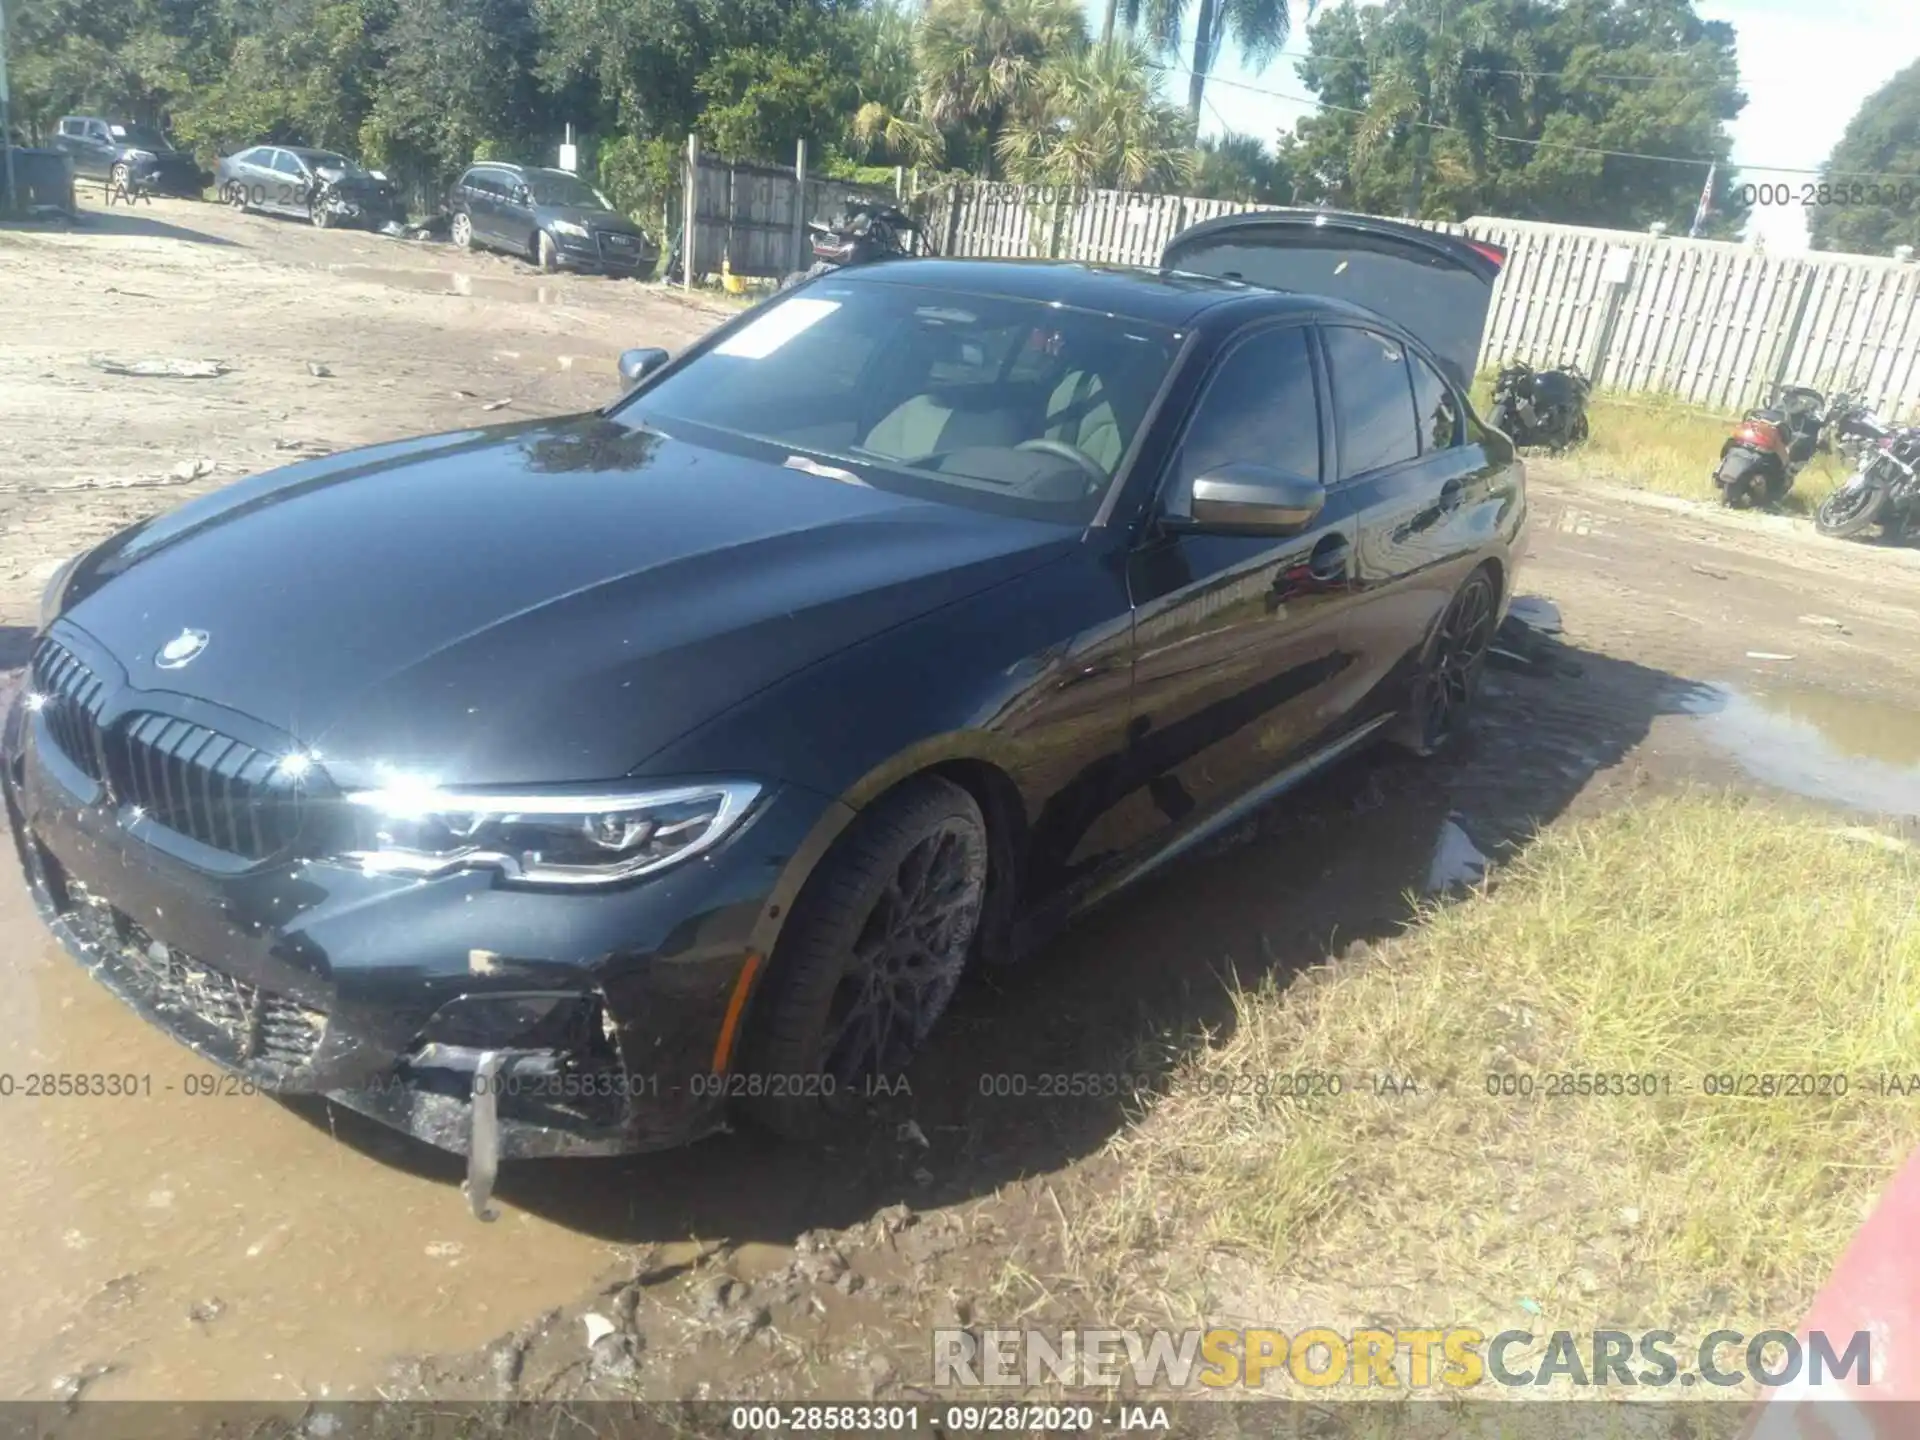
x=551 y=788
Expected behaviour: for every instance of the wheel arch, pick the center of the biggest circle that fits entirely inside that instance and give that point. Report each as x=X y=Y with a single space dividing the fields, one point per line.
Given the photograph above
x=968 y=761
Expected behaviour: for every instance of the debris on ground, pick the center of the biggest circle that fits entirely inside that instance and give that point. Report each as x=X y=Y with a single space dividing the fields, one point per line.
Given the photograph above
x=162 y=369
x=317 y=370
x=191 y=469
x=1766 y=655
x=497 y=404
x=1456 y=859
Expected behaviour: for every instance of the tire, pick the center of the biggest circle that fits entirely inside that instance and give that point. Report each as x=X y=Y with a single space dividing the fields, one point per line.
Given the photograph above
x=1732 y=482
x=461 y=232
x=917 y=856
x=1849 y=511
x=545 y=253
x=317 y=215
x=236 y=195
x=1451 y=667
x=1580 y=430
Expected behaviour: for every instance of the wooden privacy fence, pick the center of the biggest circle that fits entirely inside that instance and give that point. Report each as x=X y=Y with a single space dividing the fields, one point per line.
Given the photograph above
x=752 y=217
x=1711 y=323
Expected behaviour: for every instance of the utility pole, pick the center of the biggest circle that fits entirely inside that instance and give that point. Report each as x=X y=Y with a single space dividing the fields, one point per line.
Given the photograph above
x=10 y=204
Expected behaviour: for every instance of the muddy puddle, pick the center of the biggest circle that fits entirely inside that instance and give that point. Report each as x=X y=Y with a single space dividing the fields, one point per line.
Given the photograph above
x=454 y=282
x=1841 y=749
x=220 y=1246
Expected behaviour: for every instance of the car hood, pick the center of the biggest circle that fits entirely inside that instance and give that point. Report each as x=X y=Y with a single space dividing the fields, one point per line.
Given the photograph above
x=589 y=215
x=540 y=602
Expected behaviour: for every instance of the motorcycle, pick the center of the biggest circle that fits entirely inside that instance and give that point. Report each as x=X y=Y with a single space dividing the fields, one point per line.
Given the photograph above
x=1772 y=444
x=1541 y=407
x=1882 y=490
x=1854 y=429
x=863 y=234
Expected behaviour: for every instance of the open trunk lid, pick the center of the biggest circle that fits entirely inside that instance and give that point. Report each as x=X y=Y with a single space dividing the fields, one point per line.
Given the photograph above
x=1435 y=285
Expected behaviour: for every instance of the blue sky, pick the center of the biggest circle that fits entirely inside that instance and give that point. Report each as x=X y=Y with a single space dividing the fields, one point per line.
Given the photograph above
x=1805 y=67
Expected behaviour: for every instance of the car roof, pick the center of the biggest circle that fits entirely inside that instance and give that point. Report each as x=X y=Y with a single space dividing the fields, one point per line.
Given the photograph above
x=1169 y=297
x=305 y=152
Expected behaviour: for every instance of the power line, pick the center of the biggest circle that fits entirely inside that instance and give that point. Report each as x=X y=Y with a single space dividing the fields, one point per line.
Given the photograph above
x=1552 y=144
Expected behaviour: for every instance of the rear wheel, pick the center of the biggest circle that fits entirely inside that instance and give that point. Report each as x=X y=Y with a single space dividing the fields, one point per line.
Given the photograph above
x=1450 y=674
x=1849 y=510
x=462 y=231
x=870 y=957
x=235 y=195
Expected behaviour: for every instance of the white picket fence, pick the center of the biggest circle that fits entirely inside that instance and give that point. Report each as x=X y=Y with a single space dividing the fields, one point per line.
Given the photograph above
x=1711 y=323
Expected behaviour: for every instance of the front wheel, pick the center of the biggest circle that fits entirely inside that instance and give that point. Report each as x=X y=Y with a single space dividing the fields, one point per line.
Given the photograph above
x=870 y=957
x=120 y=176
x=319 y=215
x=462 y=232
x=545 y=253
x=1849 y=510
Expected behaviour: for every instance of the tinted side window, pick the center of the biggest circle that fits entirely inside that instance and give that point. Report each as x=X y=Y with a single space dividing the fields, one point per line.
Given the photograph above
x=70 y=127
x=1373 y=399
x=285 y=163
x=1259 y=407
x=1433 y=403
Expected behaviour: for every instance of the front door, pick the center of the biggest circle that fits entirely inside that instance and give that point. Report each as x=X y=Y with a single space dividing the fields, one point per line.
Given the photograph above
x=1238 y=644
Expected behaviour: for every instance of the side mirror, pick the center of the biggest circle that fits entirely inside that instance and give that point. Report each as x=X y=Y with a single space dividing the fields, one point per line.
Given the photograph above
x=1247 y=499
x=636 y=365
x=523 y=196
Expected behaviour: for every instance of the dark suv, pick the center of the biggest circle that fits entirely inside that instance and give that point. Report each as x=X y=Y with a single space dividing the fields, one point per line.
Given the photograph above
x=554 y=219
x=122 y=153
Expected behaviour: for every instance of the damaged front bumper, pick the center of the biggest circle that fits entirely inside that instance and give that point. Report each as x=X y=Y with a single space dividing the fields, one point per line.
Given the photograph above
x=492 y=1022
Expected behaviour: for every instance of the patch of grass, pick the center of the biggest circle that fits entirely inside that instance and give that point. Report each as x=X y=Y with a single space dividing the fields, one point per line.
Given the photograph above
x=1689 y=938
x=1654 y=442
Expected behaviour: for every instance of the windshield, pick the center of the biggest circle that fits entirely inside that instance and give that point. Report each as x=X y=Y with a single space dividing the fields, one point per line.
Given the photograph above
x=565 y=190
x=1016 y=405
x=143 y=136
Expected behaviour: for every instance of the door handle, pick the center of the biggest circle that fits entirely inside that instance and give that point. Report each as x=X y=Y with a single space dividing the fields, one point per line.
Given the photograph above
x=1330 y=559
x=1451 y=494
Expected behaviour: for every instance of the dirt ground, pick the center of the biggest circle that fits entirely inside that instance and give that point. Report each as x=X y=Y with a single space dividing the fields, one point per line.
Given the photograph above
x=224 y=1247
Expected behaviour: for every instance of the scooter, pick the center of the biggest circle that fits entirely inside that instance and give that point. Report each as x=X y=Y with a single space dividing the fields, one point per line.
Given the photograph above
x=1771 y=444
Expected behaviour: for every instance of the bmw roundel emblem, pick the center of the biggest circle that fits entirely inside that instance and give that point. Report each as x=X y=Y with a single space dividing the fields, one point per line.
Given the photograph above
x=181 y=649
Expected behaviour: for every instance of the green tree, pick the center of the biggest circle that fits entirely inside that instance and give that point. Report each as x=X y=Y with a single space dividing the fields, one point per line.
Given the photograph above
x=1883 y=139
x=1098 y=119
x=980 y=64
x=1445 y=110
x=1239 y=167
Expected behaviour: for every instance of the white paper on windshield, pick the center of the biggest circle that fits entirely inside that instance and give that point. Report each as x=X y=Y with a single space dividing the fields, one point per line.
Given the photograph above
x=776 y=328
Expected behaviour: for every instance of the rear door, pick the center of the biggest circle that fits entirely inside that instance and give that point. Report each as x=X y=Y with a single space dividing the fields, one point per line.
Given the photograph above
x=485 y=190
x=1436 y=286
x=1237 y=639
x=1422 y=495
x=95 y=155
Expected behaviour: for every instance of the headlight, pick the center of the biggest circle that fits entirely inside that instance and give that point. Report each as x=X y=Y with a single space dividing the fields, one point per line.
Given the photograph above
x=548 y=839
x=51 y=597
x=569 y=227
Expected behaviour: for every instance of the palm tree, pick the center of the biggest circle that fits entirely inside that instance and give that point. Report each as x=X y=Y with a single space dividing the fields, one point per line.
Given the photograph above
x=1100 y=121
x=1240 y=167
x=889 y=119
x=1258 y=29
x=980 y=60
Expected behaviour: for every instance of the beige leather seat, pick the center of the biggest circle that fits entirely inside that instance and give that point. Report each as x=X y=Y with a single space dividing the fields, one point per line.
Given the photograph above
x=934 y=424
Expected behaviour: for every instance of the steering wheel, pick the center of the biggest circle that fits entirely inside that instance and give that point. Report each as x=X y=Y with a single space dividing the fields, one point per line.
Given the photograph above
x=1064 y=451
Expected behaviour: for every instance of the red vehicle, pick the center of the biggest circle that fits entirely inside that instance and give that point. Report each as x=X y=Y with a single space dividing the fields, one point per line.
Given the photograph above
x=1769 y=447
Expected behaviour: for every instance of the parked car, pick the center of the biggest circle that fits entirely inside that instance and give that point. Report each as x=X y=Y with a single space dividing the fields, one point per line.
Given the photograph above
x=592 y=778
x=319 y=186
x=120 y=153
x=552 y=218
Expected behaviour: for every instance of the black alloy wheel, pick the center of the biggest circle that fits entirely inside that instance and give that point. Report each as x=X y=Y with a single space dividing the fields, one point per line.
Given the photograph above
x=871 y=955
x=1456 y=658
